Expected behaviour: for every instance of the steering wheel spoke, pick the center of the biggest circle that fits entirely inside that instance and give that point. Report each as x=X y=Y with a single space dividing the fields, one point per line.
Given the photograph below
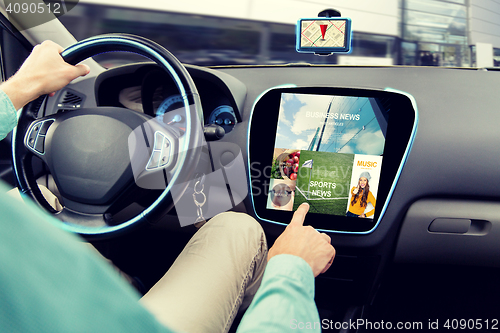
x=83 y=220
x=36 y=135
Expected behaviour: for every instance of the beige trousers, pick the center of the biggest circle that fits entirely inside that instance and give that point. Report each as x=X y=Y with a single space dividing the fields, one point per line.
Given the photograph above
x=218 y=272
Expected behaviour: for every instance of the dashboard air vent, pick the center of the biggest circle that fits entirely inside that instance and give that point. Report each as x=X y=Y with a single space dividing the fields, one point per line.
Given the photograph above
x=70 y=100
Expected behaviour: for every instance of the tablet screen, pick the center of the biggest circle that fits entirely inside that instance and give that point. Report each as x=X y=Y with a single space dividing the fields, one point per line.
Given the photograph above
x=339 y=149
x=328 y=151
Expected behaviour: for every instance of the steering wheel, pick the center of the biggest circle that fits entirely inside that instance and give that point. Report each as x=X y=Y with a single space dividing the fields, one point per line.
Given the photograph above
x=101 y=156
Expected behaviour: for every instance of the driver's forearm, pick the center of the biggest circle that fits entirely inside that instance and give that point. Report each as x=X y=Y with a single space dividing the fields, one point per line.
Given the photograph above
x=285 y=299
x=19 y=94
x=8 y=116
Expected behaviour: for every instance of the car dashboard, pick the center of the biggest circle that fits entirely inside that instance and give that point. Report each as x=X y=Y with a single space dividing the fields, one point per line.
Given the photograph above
x=443 y=206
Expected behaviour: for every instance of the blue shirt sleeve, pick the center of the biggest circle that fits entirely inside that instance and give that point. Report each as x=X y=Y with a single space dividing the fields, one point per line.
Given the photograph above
x=8 y=115
x=285 y=299
x=51 y=282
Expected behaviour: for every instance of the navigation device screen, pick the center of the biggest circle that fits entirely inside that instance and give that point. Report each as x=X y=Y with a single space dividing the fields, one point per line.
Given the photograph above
x=324 y=35
x=328 y=152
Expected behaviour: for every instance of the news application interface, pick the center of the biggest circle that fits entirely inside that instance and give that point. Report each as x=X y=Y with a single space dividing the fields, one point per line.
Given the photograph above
x=328 y=152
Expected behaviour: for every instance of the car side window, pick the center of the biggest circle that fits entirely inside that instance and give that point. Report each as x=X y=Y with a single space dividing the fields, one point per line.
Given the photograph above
x=14 y=49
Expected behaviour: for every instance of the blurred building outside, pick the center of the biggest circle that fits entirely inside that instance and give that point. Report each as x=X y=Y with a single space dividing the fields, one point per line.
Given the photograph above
x=451 y=33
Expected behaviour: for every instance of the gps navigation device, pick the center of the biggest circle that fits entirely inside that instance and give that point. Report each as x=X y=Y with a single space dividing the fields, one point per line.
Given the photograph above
x=324 y=35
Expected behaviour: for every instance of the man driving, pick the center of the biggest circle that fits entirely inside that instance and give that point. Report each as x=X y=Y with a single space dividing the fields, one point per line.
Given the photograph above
x=50 y=281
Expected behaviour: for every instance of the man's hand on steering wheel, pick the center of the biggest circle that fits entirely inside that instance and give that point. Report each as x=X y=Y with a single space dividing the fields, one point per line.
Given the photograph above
x=43 y=72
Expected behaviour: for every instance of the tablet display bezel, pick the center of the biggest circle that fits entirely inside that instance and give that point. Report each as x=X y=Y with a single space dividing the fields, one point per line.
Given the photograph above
x=401 y=129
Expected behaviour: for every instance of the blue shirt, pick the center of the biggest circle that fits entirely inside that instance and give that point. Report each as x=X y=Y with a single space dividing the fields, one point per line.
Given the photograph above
x=8 y=115
x=285 y=299
x=51 y=282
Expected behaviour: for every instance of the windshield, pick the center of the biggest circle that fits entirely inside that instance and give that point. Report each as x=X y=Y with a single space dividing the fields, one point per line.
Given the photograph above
x=450 y=33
